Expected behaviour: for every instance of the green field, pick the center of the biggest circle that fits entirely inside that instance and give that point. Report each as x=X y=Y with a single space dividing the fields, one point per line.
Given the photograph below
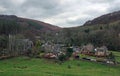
x=23 y=66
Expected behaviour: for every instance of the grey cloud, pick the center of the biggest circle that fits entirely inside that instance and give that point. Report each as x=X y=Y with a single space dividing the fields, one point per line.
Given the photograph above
x=44 y=10
x=114 y=6
x=100 y=1
x=78 y=22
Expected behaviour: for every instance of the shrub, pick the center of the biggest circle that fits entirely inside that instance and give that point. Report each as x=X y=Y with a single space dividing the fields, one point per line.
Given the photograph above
x=111 y=57
x=69 y=52
x=62 y=57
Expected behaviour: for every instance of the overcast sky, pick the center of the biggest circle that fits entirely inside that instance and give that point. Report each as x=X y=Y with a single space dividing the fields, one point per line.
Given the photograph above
x=63 y=13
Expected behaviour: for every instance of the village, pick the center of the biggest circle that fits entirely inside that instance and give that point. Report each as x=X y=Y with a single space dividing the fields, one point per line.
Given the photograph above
x=49 y=50
x=60 y=38
x=87 y=52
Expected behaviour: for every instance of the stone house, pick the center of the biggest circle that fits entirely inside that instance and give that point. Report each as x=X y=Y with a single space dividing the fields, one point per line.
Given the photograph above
x=101 y=51
x=87 y=49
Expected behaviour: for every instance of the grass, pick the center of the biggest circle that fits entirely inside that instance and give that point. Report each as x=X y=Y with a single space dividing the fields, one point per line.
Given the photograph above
x=117 y=55
x=23 y=66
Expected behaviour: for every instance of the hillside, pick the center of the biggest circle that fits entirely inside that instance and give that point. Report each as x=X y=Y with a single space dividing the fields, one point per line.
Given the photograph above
x=37 y=25
x=11 y=24
x=105 y=19
x=101 y=31
x=30 y=23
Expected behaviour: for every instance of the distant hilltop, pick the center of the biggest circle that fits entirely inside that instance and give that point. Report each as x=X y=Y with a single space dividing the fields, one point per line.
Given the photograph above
x=104 y=19
x=34 y=24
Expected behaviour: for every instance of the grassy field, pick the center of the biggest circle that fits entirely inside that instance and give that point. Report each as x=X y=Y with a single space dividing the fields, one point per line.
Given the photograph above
x=23 y=66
